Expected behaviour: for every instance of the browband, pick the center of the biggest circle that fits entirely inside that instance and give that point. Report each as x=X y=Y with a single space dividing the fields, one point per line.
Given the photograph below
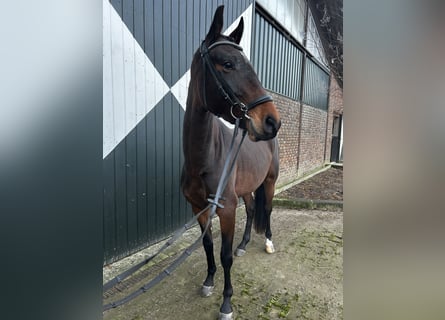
x=218 y=43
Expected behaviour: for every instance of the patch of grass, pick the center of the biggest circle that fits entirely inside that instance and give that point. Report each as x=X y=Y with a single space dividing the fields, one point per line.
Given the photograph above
x=278 y=304
x=315 y=250
x=308 y=204
x=246 y=285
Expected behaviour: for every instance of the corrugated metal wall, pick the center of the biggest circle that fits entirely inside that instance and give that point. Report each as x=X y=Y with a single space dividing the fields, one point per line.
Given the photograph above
x=316 y=85
x=279 y=64
x=148 y=48
x=277 y=61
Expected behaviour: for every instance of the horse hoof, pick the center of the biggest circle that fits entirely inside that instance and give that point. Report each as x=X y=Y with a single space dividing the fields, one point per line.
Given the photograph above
x=225 y=316
x=207 y=291
x=269 y=246
x=239 y=252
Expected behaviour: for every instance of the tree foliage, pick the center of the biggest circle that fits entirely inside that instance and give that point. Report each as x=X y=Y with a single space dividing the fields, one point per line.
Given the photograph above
x=328 y=15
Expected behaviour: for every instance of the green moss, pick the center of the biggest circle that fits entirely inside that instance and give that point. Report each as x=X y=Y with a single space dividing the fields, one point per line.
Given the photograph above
x=279 y=304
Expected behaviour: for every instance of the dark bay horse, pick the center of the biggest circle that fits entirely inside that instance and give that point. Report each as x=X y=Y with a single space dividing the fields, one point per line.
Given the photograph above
x=218 y=63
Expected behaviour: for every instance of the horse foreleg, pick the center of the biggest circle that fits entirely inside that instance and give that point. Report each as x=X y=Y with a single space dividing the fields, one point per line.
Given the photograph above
x=227 y=221
x=269 y=189
x=250 y=211
x=207 y=241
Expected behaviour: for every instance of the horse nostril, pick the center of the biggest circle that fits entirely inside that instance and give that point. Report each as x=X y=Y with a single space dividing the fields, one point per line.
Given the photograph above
x=271 y=125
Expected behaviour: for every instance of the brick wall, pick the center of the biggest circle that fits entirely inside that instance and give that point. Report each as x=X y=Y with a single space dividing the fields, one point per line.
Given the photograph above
x=312 y=142
x=316 y=134
x=288 y=137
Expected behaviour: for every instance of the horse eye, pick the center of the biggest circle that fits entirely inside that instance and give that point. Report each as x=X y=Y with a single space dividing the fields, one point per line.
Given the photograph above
x=228 y=65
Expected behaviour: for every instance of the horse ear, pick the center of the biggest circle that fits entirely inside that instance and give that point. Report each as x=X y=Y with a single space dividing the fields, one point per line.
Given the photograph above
x=216 y=27
x=238 y=32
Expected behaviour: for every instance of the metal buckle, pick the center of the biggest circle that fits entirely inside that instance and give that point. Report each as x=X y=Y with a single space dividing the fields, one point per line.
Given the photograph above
x=243 y=109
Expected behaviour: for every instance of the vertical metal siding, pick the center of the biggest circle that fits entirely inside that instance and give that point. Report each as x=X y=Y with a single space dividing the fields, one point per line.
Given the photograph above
x=294 y=69
x=266 y=56
x=287 y=70
x=316 y=86
x=261 y=63
x=259 y=60
x=276 y=65
x=279 y=64
x=256 y=34
x=277 y=60
x=271 y=47
x=143 y=202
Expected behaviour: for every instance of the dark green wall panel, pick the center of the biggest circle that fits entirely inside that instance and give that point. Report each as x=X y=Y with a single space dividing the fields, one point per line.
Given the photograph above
x=143 y=203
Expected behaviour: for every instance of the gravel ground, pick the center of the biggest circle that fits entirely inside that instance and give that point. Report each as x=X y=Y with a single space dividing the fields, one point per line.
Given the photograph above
x=301 y=280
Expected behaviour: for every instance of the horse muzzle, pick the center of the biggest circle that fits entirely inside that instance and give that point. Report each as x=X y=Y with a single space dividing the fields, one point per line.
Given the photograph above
x=266 y=131
x=264 y=122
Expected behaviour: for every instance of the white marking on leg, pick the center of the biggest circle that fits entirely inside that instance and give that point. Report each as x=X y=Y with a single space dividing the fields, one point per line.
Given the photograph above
x=269 y=246
x=225 y=316
x=239 y=252
x=207 y=290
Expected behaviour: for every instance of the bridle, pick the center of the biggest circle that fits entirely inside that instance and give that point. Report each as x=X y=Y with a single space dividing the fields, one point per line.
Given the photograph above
x=222 y=85
x=214 y=200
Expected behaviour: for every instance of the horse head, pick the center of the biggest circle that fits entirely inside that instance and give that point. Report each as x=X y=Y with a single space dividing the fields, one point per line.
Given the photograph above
x=229 y=86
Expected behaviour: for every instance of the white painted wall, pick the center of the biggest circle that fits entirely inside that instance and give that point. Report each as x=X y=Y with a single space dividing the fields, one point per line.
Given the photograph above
x=290 y=13
x=131 y=84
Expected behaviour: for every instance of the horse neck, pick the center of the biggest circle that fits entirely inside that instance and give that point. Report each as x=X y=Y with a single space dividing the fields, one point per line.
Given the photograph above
x=200 y=137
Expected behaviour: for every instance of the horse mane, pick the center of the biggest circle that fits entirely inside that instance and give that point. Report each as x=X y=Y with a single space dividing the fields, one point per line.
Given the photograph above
x=196 y=81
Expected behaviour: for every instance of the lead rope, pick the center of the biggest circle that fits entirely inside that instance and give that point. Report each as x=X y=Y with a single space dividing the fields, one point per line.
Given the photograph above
x=176 y=235
x=213 y=203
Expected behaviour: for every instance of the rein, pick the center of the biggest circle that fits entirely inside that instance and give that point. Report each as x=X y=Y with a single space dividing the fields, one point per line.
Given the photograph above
x=214 y=200
x=229 y=165
x=222 y=85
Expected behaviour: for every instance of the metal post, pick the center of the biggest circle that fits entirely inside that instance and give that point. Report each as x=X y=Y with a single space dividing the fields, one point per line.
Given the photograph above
x=303 y=71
